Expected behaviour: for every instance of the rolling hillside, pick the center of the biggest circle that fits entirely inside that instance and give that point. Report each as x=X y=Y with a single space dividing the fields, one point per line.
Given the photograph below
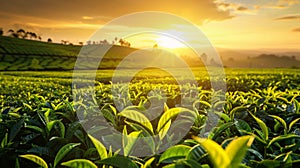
x=263 y=61
x=21 y=54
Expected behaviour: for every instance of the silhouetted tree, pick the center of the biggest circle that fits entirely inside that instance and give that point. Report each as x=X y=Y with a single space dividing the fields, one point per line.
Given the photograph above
x=12 y=33
x=1 y=31
x=124 y=43
x=32 y=35
x=105 y=41
x=21 y=33
x=40 y=38
x=28 y=34
x=121 y=41
x=49 y=40
x=80 y=43
x=64 y=42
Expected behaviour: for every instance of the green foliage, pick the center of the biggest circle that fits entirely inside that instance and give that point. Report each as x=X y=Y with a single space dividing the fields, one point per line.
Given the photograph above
x=232 y=156
x=39 y=124
x=170 y=114
x=99 y=146
x=118 y=161
x=174 y=153
x=79 y=163
x=36 y=159
x=129 y=140
x=63 y=152
x=263 y=127
x=21 y=54
x=137 y=117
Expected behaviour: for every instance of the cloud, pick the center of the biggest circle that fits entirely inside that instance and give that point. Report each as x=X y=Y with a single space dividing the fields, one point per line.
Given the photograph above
x=277 y=6
x=296 y=29
x=273 y=4
x=256 y=7
x=289 y=17
x=233 y=7
x=288 y=2
x=74 y=10
x=62 y=19
x=241 y=8
x=87 y=17
x=282 y=4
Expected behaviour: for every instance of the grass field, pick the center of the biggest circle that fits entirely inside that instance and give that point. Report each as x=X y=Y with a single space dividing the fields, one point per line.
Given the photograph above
x=39 y=124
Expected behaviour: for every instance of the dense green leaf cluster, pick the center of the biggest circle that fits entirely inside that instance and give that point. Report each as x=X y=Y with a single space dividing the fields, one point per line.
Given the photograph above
x=258 y=125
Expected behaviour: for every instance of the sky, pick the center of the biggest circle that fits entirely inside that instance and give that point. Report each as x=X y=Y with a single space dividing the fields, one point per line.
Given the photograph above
x=233 y=24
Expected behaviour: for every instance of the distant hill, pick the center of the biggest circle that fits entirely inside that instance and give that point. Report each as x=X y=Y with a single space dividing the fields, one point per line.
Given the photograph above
x=263 y=61
x=22 y=54
x=241 y=54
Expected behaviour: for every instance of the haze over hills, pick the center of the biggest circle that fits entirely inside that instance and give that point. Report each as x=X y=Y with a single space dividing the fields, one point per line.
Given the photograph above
x=21 y=54
x=261 y=58
x=238 y=54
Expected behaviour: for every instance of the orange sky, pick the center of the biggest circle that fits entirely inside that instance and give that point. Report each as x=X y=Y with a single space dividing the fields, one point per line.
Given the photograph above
x=237 y=24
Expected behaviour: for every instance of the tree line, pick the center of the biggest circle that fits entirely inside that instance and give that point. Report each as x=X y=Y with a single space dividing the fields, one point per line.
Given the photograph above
x=116 y=41
x=21 y=33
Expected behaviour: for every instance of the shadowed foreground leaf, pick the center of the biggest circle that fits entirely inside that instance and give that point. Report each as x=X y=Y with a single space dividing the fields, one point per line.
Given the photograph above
x=175 y=152
x=118 y=161
x=36 y=159
x=79 y=163
x=63 y=152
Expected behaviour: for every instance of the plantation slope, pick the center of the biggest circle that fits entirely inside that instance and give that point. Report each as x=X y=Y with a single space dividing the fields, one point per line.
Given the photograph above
x=22 y=54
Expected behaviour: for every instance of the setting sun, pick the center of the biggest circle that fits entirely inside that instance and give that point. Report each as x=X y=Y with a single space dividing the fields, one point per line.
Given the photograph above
x=168 y=42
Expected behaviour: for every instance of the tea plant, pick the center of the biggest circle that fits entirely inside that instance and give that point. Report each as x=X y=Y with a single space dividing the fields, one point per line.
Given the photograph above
x=258 y=122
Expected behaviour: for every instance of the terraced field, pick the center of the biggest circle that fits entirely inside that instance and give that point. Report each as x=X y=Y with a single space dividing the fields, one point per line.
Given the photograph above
x=21 y=54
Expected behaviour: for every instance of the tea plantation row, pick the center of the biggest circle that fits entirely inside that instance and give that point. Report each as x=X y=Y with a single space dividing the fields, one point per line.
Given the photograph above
x=44 y=124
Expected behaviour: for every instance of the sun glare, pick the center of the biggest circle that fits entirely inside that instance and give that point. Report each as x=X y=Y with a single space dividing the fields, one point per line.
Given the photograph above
x=168 y=42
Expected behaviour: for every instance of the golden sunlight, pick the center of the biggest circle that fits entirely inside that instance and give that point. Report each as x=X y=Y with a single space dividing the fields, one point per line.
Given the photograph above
x=168 y=42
